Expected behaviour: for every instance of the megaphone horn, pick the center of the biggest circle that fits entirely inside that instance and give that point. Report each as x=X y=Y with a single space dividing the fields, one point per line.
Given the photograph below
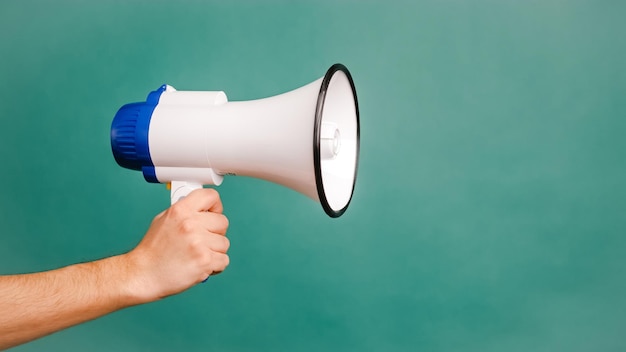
x=306 y=139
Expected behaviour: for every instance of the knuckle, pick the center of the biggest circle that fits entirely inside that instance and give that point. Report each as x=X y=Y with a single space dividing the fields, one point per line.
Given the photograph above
x=187 y=226
x=211 y=192
x=219 y=224
x=226 y=243
x=205 y=259
x=221 y=263
x=225 y=221
x=176 y=211
x=195 y=251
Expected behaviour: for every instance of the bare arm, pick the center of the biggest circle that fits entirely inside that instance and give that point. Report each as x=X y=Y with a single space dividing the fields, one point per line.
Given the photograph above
x=35 y=305
x=184 y=245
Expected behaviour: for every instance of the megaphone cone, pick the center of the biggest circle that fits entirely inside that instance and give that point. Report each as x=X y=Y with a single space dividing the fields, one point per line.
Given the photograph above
x=306 y=139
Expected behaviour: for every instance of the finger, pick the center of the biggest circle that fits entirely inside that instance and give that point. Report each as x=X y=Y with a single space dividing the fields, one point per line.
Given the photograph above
x=213 y=222
x=219 y=262
x=203 y=199
x=217 y=243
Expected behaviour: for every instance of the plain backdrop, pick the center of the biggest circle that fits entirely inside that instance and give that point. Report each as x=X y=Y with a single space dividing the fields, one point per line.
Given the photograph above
x=490 y=207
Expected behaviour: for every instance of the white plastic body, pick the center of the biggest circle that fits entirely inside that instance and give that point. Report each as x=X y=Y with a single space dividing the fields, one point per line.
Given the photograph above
x=198 y=137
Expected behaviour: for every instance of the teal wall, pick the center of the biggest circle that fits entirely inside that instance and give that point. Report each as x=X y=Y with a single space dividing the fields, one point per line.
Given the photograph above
x=490 y=207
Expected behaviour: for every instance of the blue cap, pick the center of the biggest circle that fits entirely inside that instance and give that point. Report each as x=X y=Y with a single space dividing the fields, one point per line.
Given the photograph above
x=129 y=135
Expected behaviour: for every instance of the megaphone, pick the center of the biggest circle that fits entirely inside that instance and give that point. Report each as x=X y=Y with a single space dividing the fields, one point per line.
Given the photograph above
x=306 y=139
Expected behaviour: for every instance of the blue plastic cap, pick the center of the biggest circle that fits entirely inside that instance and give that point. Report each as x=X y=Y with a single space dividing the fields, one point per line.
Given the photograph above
x=129 y=134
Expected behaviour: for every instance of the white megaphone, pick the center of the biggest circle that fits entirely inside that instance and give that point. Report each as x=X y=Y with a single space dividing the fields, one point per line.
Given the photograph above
x=306 y=139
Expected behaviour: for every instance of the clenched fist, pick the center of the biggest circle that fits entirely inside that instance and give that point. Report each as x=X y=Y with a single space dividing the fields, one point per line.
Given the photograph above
x=184 y=245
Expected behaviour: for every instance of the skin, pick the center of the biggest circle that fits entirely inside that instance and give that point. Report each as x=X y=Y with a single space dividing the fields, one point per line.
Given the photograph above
x=183 y=246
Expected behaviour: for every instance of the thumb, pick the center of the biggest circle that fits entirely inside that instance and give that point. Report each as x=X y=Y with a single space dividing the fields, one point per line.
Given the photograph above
x=203 y=199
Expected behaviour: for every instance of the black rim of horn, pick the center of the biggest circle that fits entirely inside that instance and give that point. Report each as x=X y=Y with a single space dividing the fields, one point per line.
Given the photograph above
x=319 y=111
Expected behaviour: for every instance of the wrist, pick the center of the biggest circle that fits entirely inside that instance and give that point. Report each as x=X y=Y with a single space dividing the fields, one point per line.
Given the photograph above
x=119 y=275
x=137 y=285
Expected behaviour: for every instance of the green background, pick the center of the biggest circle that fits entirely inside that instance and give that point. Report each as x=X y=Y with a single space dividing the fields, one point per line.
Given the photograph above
x=490 y=208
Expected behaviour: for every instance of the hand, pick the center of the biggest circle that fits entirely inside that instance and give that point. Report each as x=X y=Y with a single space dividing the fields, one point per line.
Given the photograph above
x=183 y=246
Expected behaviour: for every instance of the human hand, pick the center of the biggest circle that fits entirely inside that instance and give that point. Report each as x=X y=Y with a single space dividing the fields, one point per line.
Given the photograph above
x=183 y=246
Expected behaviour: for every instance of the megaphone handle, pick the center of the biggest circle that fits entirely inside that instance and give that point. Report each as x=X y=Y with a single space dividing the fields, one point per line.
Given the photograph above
x=180 y=189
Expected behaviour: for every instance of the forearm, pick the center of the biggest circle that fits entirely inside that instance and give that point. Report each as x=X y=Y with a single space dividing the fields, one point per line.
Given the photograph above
x=184 y=245
x=35 y=305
